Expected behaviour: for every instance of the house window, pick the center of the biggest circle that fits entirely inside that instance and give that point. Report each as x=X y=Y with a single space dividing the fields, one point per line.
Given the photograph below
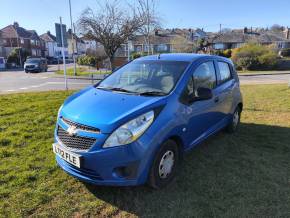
x=218 y=46
x=138 y=48
x=32 y=42
x=4 y=41
x=22 y=41
x=162 y=47
x=33 y=52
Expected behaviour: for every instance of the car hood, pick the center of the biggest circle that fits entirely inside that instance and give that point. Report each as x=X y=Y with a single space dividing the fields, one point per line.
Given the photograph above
x=107 y=110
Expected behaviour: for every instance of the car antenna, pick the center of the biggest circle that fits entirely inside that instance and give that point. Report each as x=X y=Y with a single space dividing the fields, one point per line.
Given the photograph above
x=159 y=56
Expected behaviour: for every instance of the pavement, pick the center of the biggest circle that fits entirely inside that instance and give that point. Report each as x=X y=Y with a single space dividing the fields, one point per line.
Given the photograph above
x=18 y=81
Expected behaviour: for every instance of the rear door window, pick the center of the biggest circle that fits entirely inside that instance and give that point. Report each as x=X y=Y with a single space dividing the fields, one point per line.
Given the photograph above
x=225 y=72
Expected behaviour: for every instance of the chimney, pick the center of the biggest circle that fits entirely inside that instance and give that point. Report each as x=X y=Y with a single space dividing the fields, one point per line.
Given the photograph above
x=15 y=24
x=48 y=32
x=245 y=30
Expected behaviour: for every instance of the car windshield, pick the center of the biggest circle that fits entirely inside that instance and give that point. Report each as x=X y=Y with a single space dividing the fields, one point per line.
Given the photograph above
x=32 y=61
x=145 y=77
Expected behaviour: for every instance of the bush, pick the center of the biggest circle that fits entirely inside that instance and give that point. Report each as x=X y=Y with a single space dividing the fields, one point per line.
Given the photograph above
x=136 y=55
x=87 y=60
x=254 y=57
x=224 y=53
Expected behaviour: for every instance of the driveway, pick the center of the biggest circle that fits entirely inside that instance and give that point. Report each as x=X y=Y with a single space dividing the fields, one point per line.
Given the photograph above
x=18 y=81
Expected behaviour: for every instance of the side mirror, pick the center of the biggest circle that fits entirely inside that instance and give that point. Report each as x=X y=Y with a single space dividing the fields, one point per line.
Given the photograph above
x=203 y=94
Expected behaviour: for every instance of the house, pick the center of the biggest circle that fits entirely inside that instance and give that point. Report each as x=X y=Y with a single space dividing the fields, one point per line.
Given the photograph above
x=163 y=40
x=75 y=44
x=1 y=46
x=237 y=38
x=52 y=50
x=14 y=36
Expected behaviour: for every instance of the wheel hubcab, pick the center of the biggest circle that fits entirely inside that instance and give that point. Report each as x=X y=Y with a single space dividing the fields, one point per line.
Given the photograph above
x=236 y=118
x=166 y=164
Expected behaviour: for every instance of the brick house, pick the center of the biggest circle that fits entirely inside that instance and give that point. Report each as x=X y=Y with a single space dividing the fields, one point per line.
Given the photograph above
x=14 y=36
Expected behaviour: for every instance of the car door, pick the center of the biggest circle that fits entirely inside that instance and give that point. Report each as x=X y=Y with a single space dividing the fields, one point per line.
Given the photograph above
x=225 y=86
x=201 y=116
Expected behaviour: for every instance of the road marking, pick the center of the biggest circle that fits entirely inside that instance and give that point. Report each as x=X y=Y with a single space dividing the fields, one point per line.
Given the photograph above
x=24 y=88
x=10 y=90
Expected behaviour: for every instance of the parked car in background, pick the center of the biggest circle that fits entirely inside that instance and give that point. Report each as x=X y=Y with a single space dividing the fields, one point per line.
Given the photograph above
x=2 y=63
x=134 y=126
x=35 y=65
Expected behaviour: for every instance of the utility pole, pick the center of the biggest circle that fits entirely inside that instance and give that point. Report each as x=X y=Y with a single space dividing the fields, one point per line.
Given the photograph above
x=19 y=52
x=63 y=56
x=72 y=38
x=220 y=28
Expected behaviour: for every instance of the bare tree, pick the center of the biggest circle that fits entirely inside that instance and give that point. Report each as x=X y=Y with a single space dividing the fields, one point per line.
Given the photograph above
x=148 y=9
x=111 y=25
x=276 y=28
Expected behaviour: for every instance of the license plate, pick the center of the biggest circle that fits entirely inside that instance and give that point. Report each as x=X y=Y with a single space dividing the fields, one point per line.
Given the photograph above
x=66 y=155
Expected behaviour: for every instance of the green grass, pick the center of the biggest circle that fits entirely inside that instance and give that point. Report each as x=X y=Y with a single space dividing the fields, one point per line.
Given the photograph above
x=242 y=175
x=81 y=71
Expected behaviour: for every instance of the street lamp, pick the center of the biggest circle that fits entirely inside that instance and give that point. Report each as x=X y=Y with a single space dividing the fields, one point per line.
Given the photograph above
x=72 y=38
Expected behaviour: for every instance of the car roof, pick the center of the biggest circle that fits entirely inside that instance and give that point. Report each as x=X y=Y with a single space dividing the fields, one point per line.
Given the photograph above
x=189 y=57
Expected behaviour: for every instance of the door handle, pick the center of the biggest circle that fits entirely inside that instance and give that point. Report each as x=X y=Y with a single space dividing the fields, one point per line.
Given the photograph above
x=216 y=99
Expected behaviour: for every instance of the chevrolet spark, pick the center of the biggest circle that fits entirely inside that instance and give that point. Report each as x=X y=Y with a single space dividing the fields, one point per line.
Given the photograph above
x=134 y=126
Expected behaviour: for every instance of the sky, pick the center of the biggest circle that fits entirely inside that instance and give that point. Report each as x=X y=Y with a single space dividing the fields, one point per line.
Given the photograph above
x=41 y=15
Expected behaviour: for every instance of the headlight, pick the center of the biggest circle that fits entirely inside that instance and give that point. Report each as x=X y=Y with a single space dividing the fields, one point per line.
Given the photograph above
x=130 y=131
x=58 y=113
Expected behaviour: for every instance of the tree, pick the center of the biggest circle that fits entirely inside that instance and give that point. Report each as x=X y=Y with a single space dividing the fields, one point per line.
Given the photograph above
x=277 y=28
x=148 y=9
x=111 y=25
x=14 y=56
x=181 y=45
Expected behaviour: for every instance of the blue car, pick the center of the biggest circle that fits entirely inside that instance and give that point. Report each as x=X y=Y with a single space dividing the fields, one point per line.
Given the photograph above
x=134 y=126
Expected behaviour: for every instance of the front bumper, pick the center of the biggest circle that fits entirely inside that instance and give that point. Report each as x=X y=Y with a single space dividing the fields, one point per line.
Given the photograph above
x=32 y=69
x=121 y=166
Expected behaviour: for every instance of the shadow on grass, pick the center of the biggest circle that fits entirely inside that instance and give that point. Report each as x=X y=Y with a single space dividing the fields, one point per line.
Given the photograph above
x=239 y=175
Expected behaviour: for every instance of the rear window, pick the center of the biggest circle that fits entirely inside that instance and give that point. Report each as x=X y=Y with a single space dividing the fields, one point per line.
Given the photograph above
x=225 y=72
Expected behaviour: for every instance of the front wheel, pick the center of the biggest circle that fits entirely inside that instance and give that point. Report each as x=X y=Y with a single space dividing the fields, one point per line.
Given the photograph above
x=164 y=165
x=235 y=121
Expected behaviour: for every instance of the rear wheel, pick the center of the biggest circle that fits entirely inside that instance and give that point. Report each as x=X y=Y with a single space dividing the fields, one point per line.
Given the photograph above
x=235 y=121
x=164 y=165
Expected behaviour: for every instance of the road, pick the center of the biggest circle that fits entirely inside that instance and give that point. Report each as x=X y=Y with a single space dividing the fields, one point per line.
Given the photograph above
x=18 y=81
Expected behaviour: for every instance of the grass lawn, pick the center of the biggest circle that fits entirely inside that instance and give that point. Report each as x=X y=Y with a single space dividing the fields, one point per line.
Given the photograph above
x=81 y=71
x=242 y=175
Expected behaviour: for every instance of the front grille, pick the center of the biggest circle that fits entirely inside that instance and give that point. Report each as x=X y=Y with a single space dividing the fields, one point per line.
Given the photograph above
x=80 y=126
x=74 y=142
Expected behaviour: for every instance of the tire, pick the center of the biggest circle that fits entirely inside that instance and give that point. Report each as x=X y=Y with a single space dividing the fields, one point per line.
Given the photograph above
x=235 y=121
x=163 y=170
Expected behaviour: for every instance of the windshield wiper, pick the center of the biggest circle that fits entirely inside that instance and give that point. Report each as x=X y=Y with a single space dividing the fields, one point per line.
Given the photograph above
x=153 y=93
x=116 y=89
